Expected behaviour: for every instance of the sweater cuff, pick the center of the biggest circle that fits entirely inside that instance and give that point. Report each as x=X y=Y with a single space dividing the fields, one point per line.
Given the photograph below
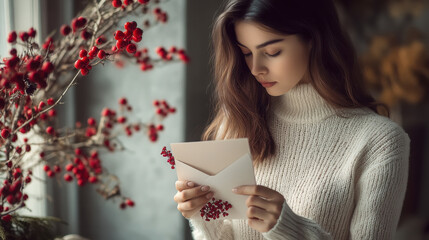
x=291 y=226
x=208 y=230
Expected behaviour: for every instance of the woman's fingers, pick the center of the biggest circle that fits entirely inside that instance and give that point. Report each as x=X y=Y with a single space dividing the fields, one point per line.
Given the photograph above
x=191 y=193
x=190 y=207
x=271 y=207
x=182 y=185
x=195 y=203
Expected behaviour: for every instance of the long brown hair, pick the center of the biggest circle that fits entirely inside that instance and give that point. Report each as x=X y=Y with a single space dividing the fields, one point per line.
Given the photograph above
x=241 y=103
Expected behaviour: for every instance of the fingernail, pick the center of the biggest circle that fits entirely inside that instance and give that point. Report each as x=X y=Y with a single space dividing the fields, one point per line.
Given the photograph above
x=190 y=184
x=210 y=195
x=234 y=190
x=205 y=188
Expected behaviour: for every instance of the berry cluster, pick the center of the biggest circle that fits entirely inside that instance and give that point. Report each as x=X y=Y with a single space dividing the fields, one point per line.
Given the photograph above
x=215 y=209
x=168 y=155
x=24 y=36
x=12 y=190
x=160 y=15
x=24 y=74
x=168 y=55
x=127 y=39
x=163 y=108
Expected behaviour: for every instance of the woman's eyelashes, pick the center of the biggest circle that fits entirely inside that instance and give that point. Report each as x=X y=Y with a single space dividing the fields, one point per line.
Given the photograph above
x=269 y=55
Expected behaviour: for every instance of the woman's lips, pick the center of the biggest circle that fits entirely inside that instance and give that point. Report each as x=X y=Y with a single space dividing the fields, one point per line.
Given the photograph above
x=267 y=84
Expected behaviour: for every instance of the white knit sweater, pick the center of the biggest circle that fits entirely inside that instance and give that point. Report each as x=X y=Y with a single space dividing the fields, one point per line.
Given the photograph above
x=342 y=178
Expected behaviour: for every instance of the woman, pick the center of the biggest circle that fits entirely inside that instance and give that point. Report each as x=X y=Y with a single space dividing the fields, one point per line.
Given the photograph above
x=328 y=165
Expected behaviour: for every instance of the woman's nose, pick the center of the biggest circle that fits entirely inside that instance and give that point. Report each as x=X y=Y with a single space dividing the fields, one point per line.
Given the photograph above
x=258 y=67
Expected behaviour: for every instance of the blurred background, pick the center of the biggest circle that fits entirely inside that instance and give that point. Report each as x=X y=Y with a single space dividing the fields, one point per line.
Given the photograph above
x=391 y=37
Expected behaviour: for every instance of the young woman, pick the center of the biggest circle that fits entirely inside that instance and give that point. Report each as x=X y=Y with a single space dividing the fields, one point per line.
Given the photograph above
x=328 y=165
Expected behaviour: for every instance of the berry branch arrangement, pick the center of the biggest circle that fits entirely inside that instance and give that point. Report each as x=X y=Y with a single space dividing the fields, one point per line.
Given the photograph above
x=35 y=77
x=213 y=209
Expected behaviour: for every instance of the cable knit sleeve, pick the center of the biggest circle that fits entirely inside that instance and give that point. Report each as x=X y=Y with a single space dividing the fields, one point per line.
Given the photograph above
x=213 y=230
x=292 y=226
x=379 y=195
x=381 y=188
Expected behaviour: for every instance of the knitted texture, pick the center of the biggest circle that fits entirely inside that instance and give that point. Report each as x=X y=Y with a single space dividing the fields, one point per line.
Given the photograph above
x=342 y=177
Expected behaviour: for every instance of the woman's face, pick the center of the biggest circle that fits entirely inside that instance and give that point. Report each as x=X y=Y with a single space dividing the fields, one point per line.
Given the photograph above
x=278 y=62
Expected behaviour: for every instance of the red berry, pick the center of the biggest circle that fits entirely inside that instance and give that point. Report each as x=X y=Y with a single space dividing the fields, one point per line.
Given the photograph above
x=27 y=179
x=173 y=49
x=79 y=64
x=129 y=203
x=68 y=177
x=57 y=168
x=106 y=112
x=78 y=151
x=138 y=32
x=117 y=3
x=50 y=173
x=78 y=23
x=130 y=26
x=69 y=167
x=13 y=52
x=52 y=113
x=123 y=101
x=143 y=1
x=24 y=36
x=5 y=133
x=101 y=54
x=119 y=35
x=11 y=37
x=31 y=32
x=50 y=130
x=32 y=65
x=27 y=148
x=100 y=40
x=47 y=67
x=83 y=53
x=131 y=48
x=160 y=127
x=80 y=182
x=121 y=44
x=6 y=218
x=84 y=71
x=122 y=119
x=93 y=179
x=65 y=30
x=91 y=121
x=128 y=2
x=85 y=35
x=50 y=101
x=46 y=168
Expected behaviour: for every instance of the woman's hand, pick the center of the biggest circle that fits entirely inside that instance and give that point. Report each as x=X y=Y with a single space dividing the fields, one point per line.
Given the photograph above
x=191 y=198
x=264 y=206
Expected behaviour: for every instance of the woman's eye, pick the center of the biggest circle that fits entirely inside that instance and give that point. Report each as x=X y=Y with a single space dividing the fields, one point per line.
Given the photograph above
x=274 y=55
x=247 y=54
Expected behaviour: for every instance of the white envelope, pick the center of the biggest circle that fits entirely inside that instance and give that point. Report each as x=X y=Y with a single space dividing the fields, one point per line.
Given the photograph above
x=220 y=164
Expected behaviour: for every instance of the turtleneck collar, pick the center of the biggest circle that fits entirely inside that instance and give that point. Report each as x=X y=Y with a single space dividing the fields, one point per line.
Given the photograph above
x=301 y=104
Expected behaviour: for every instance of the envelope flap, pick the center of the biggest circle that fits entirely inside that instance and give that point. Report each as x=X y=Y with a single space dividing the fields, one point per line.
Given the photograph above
x=210 y=157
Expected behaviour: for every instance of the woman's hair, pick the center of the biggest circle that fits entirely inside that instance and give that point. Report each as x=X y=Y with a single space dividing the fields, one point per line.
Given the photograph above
x=242 y=104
